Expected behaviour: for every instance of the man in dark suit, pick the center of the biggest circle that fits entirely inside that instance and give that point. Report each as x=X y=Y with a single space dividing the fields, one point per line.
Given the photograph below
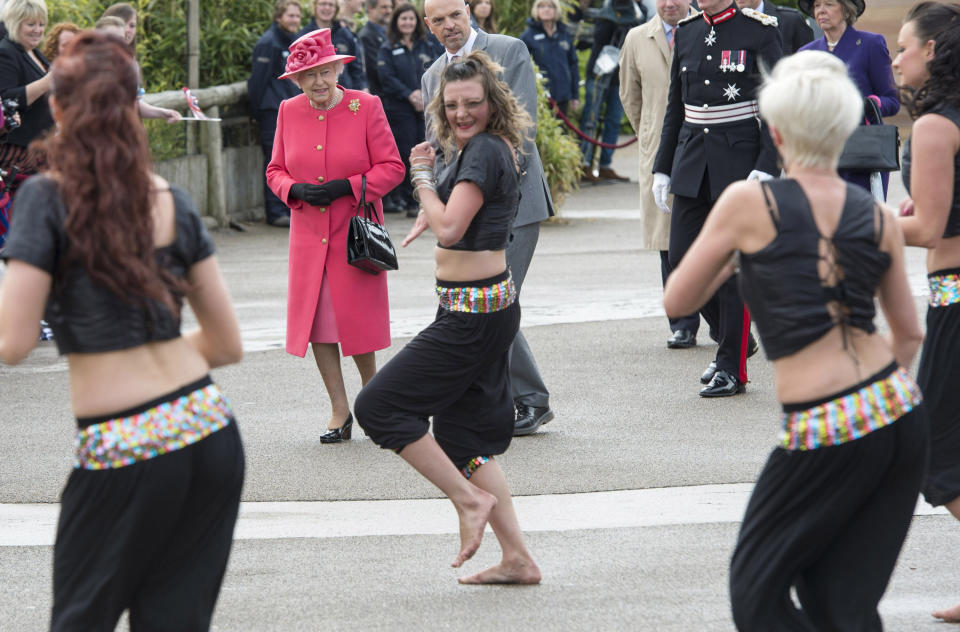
x=793 y=27
x=449 y=20
x=713 y=135
x=372 y=36
x=266 y=91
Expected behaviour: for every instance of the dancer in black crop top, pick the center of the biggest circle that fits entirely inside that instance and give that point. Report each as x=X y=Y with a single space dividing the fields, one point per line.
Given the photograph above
x=456 y=370
x=929 y=55
x=832 y=505
x=109 y=251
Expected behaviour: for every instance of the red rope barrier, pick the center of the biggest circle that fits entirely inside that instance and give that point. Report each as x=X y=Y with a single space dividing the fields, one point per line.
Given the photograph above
x=563 y=117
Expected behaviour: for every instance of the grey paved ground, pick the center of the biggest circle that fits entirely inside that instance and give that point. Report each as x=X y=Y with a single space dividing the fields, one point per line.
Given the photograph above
x=628 y=417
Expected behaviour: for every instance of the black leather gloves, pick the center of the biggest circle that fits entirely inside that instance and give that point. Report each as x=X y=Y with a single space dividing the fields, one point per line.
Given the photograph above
x=321 y=194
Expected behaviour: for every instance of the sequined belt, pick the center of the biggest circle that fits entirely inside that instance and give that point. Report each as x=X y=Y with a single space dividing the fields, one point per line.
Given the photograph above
x=716 y=114
x=164 y=428
x=851 y=416
x=944 y=289
x=478 y=299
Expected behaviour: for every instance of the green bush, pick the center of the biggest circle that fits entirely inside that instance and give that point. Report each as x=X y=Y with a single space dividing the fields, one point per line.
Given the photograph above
x=559 y=152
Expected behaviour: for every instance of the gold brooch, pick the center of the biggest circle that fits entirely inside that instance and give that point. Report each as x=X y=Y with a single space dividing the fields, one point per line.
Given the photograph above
x=354 y=105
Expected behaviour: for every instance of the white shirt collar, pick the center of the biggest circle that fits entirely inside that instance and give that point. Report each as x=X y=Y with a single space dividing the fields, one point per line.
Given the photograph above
x=760 y=7
x=467 y=48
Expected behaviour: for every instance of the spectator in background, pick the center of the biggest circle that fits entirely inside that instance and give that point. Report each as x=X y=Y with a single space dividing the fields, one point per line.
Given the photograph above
x=57 y=38
x=372 y=36
x=128 y=14
x=551 y=44
x=483 y=15
x=347 y=42
x=266 y=91
x=403 y=58
x=866 y=57
x=325 y=17
x=116 y=26
x=793 y=27
x=644 y=84
x=24 y=78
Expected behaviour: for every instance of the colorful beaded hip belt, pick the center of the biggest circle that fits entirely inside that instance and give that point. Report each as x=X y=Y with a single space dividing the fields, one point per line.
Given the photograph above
x=851 y=416
x=478 y=300
x=164 y=428
x=944 y=289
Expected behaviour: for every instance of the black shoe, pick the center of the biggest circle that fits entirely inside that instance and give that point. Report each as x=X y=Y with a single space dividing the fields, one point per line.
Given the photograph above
x=413 y=212
x=280 y=222
x=723 y=384
x=529 y=418
x=709 y=373
x=682 y=339
x=752 y=346
x=336 y=435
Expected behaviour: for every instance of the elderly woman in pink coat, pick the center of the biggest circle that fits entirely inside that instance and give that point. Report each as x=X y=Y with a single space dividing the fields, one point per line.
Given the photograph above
x=327 y=140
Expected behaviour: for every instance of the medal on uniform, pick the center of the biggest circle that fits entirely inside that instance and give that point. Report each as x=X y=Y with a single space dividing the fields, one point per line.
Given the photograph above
x=711 y=38
x=731 y=92
x=741 y=63
x=725 y=64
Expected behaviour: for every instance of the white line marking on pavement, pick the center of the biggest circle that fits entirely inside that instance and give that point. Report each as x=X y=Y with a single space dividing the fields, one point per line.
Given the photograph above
x=35 y=524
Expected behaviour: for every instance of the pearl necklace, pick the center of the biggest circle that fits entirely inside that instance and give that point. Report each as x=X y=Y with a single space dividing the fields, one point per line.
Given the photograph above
x=337 y=98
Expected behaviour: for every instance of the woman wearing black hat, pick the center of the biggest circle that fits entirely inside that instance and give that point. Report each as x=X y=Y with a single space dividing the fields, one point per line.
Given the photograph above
x=866 y=56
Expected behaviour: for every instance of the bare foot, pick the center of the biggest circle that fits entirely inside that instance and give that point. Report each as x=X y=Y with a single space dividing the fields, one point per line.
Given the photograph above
x=473 y=520
x=950 y=615
x=523 y=571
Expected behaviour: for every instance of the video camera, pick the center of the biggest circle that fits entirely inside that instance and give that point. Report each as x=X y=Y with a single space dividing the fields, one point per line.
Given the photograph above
x=10 y=107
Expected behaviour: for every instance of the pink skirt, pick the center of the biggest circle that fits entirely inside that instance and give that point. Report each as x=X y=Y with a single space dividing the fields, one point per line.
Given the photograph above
x=324 y=329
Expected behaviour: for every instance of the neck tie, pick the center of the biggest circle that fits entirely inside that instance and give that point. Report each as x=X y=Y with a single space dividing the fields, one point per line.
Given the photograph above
x=670 y=39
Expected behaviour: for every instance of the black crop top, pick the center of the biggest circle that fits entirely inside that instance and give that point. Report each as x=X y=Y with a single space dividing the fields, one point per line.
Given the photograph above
x=487 y=162
x=782 y=286
x=86 y=317
x=953 y=221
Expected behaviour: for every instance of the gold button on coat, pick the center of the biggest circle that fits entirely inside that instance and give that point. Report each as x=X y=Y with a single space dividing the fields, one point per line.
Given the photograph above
x=320 y=118
x=323 y=209
x=324 y=240
x=319 y=147
x=319 y=178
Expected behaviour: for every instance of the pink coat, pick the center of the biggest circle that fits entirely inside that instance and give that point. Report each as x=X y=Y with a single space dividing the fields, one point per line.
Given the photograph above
x=312 y=146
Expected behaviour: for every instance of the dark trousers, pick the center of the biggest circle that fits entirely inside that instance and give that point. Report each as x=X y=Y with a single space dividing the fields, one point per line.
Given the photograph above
x=829 y=522
x=724 y=312
x=408 y=130
x=456 y=371
x=689 y=323
x=152 y=537
x=937 y=378
x=272 y=205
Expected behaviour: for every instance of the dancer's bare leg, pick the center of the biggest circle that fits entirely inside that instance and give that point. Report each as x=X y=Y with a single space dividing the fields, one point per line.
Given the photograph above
x=516 y=565
x=366 y=365
x=951 y=615
x=327 y=356
x=474 y=505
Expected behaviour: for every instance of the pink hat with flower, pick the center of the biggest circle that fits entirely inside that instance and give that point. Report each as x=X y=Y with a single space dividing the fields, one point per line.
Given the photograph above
x=312 y=49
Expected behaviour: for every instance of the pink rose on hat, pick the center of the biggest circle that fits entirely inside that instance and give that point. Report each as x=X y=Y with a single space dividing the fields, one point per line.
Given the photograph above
x=310 y=50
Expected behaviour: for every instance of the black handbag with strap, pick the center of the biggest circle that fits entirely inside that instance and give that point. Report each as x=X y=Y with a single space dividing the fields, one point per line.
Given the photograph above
x=368 y=242
x=872 y=147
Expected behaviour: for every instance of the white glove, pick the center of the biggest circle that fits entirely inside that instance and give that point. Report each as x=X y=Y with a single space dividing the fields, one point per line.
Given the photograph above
x=759 y=176
x=661 y=189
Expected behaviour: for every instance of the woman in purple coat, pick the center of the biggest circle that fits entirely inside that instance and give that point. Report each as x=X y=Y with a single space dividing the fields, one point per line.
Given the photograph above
x=866 y=56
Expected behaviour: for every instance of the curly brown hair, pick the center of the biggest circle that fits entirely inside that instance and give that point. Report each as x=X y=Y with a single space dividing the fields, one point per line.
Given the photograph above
x=940 y=22
x=51 y=43
x=507 y=118
x=101 y=162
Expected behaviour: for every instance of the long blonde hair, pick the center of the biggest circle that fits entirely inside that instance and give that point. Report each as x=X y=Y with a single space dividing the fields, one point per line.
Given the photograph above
x=507 y=118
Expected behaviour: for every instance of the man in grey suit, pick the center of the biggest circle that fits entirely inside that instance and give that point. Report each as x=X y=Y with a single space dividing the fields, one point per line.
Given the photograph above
x=449 y=20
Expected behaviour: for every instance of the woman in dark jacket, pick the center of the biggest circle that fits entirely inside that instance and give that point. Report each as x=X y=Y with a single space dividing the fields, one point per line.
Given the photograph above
x=551 y=44
x=325 y=17
x=403 y=58
x=24 y=78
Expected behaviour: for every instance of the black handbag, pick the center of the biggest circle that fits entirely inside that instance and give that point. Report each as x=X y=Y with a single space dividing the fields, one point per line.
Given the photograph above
x=368 y=242
x=873 y=147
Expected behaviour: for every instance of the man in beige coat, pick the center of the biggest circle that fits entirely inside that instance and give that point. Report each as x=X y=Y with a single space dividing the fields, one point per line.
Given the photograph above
x=644 y=81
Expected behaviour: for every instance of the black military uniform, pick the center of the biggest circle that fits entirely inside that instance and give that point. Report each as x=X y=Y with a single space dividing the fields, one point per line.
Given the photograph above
x=712 y=136
x=794 y=30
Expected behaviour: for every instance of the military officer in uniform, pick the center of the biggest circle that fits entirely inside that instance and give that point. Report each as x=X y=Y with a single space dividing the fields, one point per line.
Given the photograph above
x=794 y=30
x=713 y=135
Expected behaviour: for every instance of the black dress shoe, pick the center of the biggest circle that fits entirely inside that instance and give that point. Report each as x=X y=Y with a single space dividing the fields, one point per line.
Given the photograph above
x=529 y=418
x=752 y=346
x=723 y=384
x=336 y=435
x=709 y=372
x=682 y=339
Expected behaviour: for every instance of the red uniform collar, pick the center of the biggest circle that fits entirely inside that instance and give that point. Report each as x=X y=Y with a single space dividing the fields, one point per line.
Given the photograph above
x=723 y=16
